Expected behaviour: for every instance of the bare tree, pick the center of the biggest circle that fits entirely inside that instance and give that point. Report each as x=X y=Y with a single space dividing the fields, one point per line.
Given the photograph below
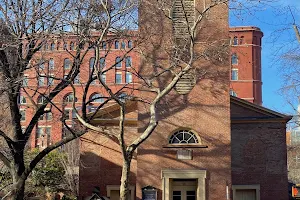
x=155 y=78
x=26 y=29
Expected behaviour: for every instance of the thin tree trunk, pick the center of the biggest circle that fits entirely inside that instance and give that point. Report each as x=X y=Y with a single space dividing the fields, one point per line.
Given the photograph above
x=17 y=192
x=124 y=188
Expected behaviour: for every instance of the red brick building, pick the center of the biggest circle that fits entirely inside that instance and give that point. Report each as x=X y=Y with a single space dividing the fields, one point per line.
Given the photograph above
x=246 y=82
x=208 y=145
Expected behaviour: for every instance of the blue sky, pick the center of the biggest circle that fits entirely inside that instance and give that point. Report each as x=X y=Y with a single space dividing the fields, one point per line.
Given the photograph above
x=275 y=20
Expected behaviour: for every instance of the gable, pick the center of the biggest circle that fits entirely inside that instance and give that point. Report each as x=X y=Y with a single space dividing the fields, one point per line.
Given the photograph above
x=242 y=110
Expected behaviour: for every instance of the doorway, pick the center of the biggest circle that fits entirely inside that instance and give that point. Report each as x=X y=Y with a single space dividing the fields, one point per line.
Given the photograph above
x=184 y=189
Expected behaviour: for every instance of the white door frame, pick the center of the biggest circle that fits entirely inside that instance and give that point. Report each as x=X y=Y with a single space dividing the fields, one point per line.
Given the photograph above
x=168 y=174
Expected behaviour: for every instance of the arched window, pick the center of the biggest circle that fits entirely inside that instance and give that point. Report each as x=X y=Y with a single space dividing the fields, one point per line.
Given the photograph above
x=103 y=44
x=72 y=46
x=235 y=40
x=46 y=47
x=96 y=98
x=41 y=100
x=123 y=45
x=183 y=137
x=67 y=63
x=116 y=44
x=242 y=40
x=118 y=62
x=65 y=46
x=69 y=98
x=52 y=46
x=92 y=62
x=51 y=64
x=232 y=93
x=129 y=44
x=57 y=45
x=102 y=63
x=234 y=59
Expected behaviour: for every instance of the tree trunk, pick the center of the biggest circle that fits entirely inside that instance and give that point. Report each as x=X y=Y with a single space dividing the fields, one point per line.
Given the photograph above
x=17 y=192
x=124 y=188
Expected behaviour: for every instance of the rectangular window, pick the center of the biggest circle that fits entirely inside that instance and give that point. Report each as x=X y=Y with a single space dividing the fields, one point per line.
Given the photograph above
x=77 y=79
x=49 y=116
x=234 y=74
x=41 y=81
x=128 y=77
x=51 y=64
x=128 y=61
x=67 y=114
x=41 y=64
x=25 y=81
x=118 y=78
x=50 y=80
x=103 y=77
x=39 y=132
x=246 y=192
x=23 y=115
x=41 y=118
x=48 y=131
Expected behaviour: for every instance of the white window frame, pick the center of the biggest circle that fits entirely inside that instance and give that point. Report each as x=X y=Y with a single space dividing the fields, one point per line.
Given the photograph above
x=237 y=74
x=246 y=187
x=118 y=73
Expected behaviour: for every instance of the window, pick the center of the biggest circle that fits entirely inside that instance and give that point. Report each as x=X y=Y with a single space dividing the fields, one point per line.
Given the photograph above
x=25 y=81
x=70 y=98
x=234 y=59
x=57 y=46
x=22 y=99
x=77 y=79
x=118 y=78
x=41 y=64
x=52 y=46
x=102 y=63
x=183 y=137
x=65 y=46
x=92 y=62
x=232 y=93
x=234 y=74
x=49 y=116
x=103 y=45
x=67 y=113
x=50 y=80
x=246 y=192
x=51 y=64
x=123 y=45
x=128 y=61
x=116 y=44
x=46 y=47
x=96 y=98
x=41 y=100
x=72 y=46
x=129 y=44
x=23 y=115
x=67 y=63
x=41 y=81
x=41 y=118
x=103 y=77
x=118 y=62
x=39 y=132
x=235 y=40
x=242 y=40
x=128 y=77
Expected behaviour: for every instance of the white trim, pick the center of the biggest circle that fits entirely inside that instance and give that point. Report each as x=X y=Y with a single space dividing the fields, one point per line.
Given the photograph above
x=168 y=174
x=246 y=187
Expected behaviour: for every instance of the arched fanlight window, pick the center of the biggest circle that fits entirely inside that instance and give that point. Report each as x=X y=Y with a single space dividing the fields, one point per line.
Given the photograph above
x=41 y=100
x=96 y=98
x=234 y=59
x=235 y=40
x=183 y=137
x=69 y=98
